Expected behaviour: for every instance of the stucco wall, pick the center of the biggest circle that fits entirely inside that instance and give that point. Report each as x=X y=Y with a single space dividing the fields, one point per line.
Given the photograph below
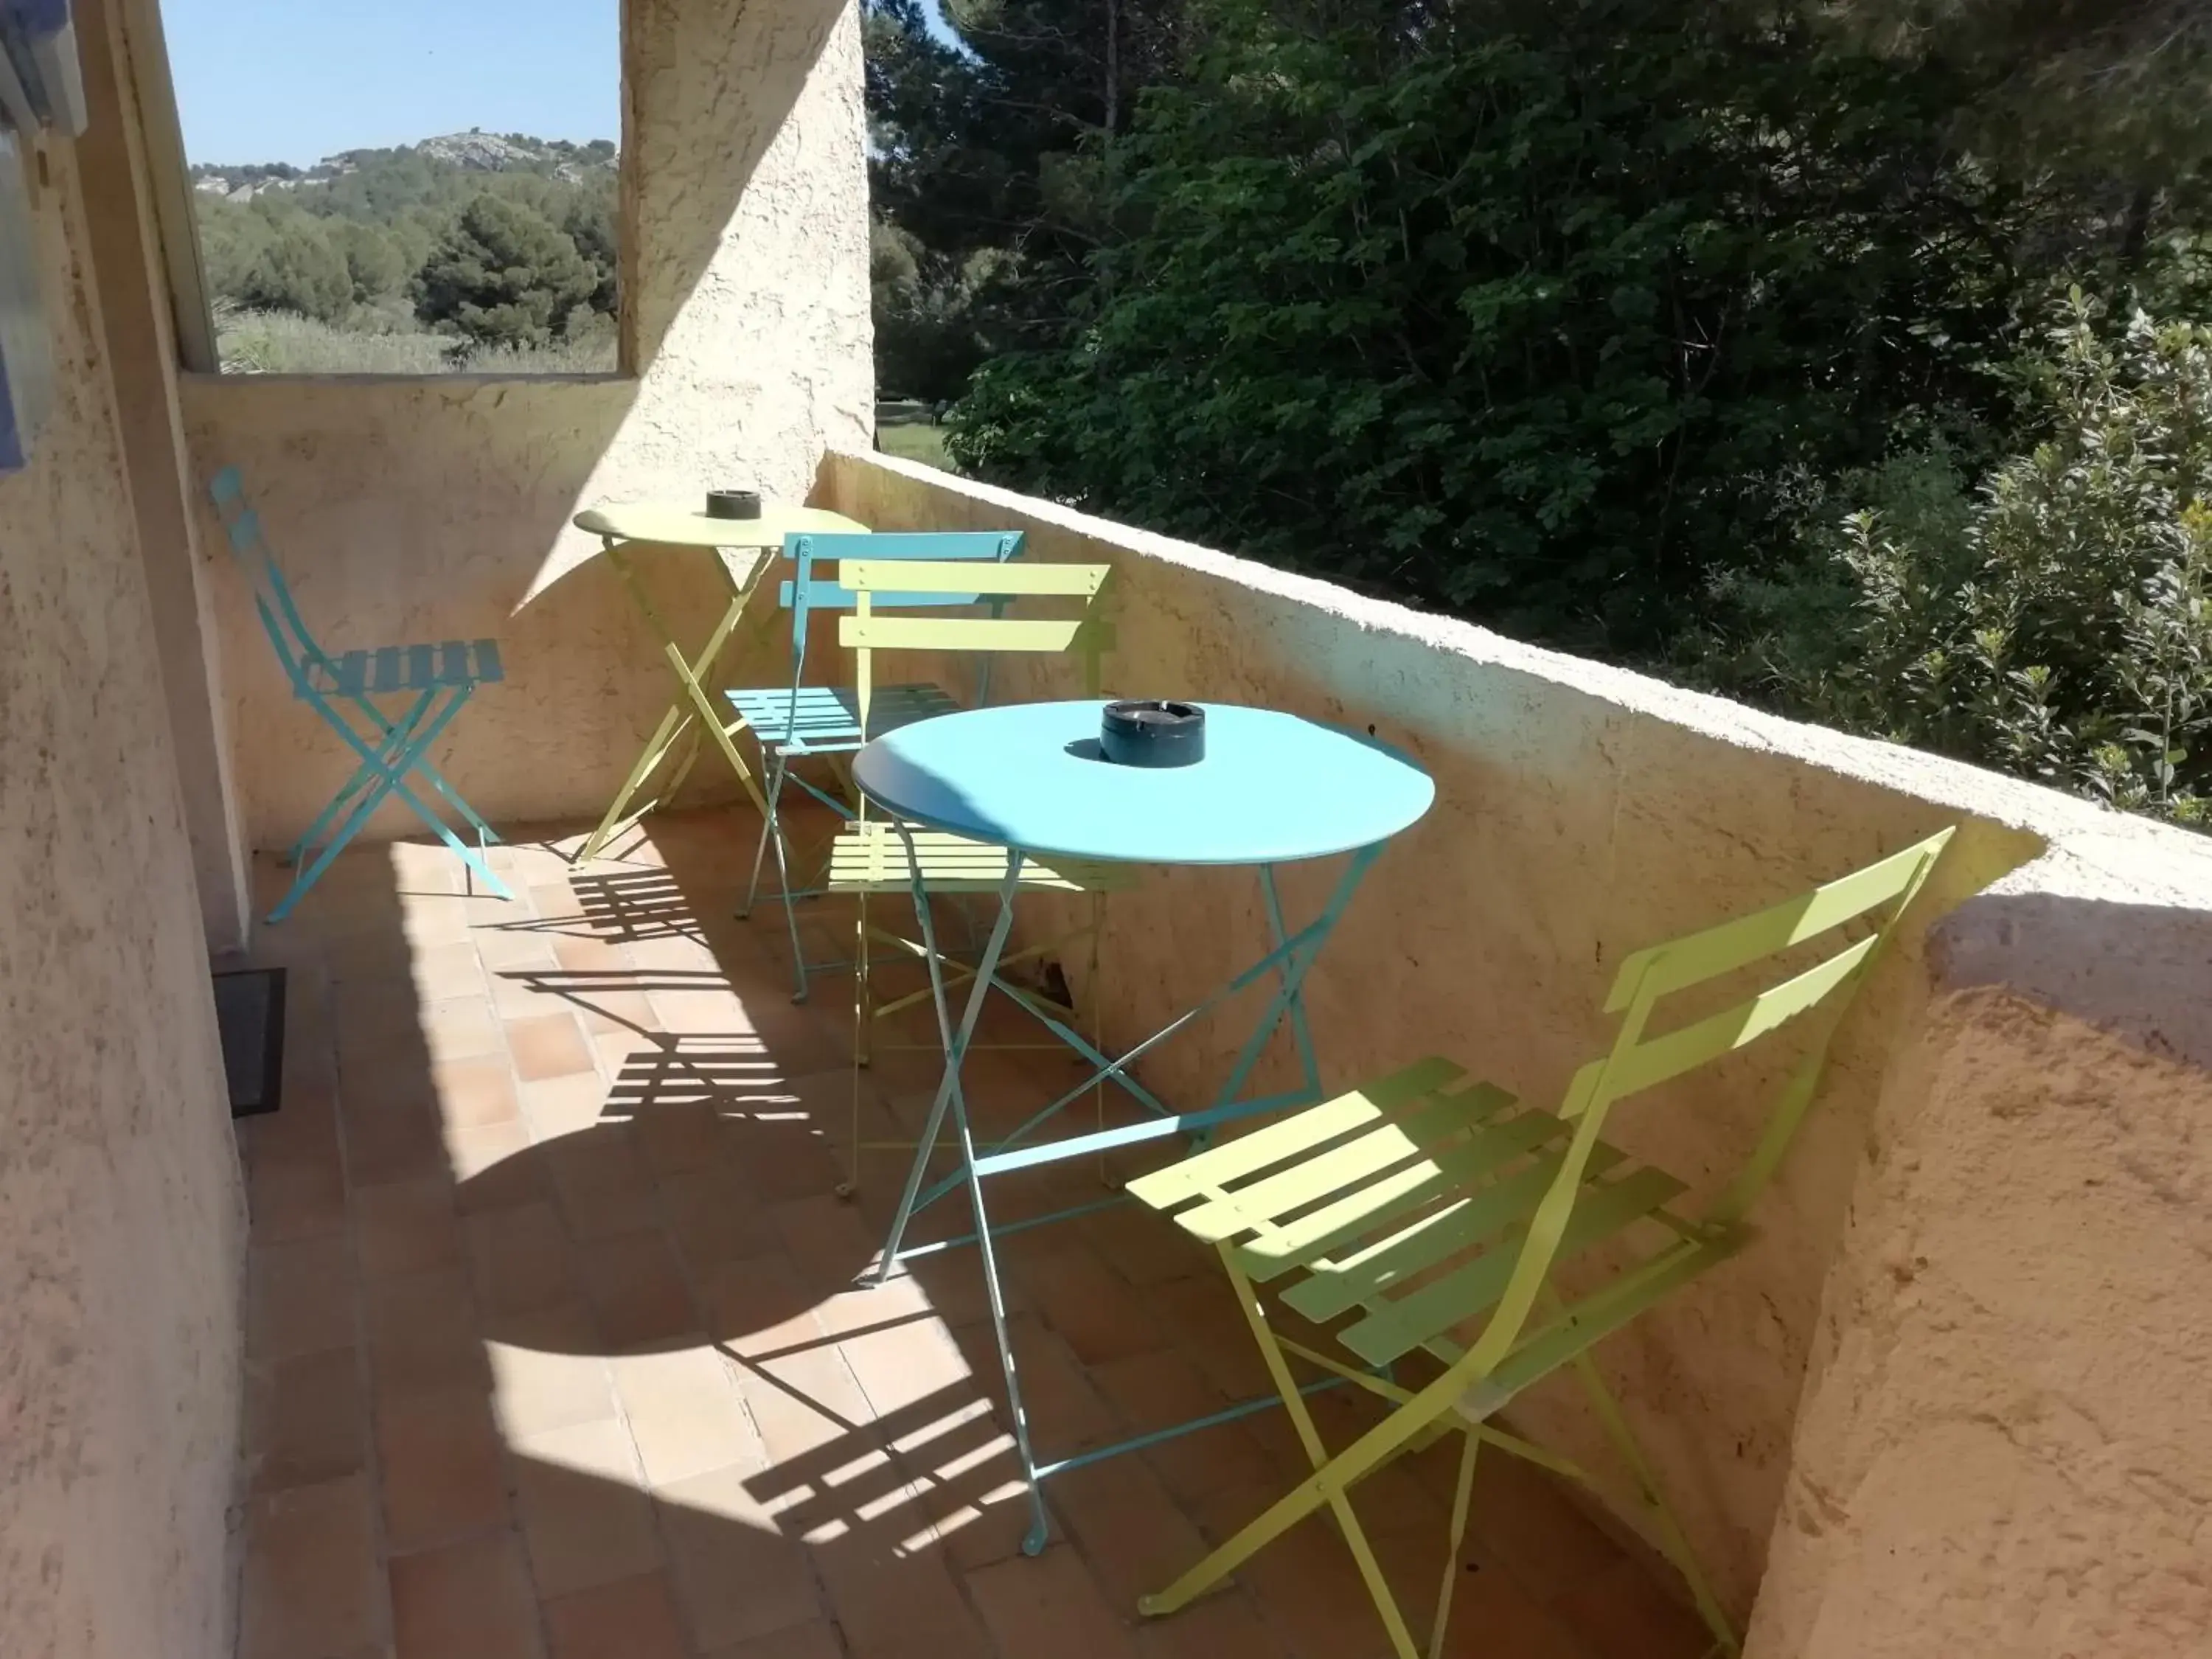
x=1582 y=811
x=413 y=509
x=121 y=1226
x=2006 y=1447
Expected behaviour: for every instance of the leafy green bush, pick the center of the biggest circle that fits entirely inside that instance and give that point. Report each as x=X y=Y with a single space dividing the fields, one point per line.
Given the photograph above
x=2056 y=621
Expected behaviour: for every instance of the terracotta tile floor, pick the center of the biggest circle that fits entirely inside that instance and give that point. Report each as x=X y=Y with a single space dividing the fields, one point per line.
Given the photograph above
x=553 y=1355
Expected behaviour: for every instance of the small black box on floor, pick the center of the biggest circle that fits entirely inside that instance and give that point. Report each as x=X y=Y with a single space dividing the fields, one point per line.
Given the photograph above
x=249 y=1010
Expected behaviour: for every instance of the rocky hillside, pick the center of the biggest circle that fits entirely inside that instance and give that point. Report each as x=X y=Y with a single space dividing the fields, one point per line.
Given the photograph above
x=473 y=151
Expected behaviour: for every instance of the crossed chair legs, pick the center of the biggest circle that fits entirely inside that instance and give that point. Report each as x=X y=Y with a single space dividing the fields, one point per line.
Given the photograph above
x=1421 y=1418
x=772 y=835
x=386 y=756
x=950 y=975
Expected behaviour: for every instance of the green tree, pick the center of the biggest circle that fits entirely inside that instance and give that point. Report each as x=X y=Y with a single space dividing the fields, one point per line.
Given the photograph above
x=377 y=263
x=589 y=221
x=504 y=275
x=1529 y=326
x=984 y=153
x=232 y=238
x=299 y=268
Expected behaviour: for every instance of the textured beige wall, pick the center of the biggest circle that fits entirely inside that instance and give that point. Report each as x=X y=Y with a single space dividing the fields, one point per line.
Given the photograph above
x=407 y=509
x=1583 y=811
x=2006 y=1448
x=121 y=1226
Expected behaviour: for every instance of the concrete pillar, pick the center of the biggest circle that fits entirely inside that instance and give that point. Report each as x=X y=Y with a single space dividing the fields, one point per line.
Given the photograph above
x=141 y=347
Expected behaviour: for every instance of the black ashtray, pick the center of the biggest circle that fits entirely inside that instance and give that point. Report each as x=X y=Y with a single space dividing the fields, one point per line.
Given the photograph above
x=733 y=503
x=1152 y=733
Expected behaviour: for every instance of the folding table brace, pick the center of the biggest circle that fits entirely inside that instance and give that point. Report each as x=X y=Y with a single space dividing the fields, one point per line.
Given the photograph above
x=732 y=540
x=1290 y=957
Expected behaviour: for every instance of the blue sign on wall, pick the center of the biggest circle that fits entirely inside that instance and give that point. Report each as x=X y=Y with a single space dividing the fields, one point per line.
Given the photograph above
x=39 y=74
x=39 y=88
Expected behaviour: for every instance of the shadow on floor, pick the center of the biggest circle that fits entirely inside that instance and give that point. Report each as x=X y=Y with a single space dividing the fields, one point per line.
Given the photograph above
x=554 y=1350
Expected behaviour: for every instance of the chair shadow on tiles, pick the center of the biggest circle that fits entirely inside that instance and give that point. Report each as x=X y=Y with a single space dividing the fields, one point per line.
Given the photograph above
x=581 y=1354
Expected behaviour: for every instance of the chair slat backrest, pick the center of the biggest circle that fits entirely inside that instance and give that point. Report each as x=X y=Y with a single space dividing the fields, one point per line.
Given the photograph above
x=867 y=631
x=296 y=647
x=1636 y=1061
x=1639 y=1061
x=807 y=589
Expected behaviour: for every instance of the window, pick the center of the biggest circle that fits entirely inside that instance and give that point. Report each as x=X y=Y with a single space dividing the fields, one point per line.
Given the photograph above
x=417 y=187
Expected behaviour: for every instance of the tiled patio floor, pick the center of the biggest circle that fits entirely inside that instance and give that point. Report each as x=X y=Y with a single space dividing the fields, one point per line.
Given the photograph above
x=553 y=1355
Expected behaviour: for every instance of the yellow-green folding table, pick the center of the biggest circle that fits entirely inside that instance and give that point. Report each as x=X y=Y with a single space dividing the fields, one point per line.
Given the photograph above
x=744 y=551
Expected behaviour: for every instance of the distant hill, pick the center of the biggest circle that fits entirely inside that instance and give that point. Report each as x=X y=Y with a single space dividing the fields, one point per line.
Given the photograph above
x=491 y=238
x=474 y=151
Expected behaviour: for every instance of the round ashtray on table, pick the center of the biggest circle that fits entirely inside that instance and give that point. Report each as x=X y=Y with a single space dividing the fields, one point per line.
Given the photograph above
x=1154 y=735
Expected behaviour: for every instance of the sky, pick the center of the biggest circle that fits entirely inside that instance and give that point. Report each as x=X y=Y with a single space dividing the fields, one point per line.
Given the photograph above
x=297 y=80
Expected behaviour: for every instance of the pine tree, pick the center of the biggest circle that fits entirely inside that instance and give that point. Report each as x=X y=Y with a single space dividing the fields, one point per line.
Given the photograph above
x=504 y=275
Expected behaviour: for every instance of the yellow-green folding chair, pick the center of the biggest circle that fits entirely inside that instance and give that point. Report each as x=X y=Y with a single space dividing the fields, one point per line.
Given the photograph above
x=1430 y=1212
x=872 y=856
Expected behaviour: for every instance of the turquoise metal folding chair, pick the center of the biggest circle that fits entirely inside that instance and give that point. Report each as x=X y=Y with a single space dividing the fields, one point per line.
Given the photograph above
x=435 y=680
x=798 y=722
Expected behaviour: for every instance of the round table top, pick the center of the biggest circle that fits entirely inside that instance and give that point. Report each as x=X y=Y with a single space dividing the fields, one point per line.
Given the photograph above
x=679 y=526
x=1273 y=789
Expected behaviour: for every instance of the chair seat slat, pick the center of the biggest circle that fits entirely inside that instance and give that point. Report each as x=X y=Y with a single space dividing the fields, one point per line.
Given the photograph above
x=1261 y=1204
x=1250 y=1153
x=1589 y=1321
x=391 y=670
x=873 y=858
x=1397 y=1327
x=1322 y=1232
x=1475 y=1218
x=825 y=717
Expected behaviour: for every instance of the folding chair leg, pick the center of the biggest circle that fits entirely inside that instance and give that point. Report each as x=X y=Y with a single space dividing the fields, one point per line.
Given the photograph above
x=306 y=867
x=650 y=757
x=862 y=1016
x=410 y=739
x=768 y=827
x=1373 y=1449
x=1672 y=1536
x=1471 y=1442
x=311 y=837
x=1338 y=1498
x=391 y=736
x=486 y=836
x=790 y=914
x=863 y=992
x=950 y=1101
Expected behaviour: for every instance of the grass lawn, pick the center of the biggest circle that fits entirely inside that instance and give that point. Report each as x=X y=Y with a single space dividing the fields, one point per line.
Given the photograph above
x=918 y=441
x=284 y=343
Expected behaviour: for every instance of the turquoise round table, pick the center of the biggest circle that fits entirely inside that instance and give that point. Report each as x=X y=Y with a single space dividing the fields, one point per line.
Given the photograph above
x=1274 y=788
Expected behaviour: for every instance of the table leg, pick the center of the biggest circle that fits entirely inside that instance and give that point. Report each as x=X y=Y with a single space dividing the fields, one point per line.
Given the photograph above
x=678 y=723
x=1292 y=956
x=951 y=1100
x=656 y=750
x=1290 y=960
